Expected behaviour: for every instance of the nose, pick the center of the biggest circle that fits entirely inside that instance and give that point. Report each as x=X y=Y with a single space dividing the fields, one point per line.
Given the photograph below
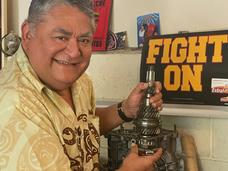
x=73 y=49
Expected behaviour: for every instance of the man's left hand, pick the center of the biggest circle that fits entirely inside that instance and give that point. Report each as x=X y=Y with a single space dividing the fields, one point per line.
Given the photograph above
x=132 y=103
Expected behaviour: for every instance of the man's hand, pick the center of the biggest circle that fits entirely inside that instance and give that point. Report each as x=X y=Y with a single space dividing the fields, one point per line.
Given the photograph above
x=134 y=162
x=132 y=103
x=109 y=118
x=224 y=99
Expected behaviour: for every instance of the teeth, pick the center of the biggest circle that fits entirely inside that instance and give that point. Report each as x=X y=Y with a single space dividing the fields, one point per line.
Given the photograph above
x=63 y=62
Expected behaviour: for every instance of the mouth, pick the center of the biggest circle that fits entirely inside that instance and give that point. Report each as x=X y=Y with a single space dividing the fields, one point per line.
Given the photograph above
x=64 y=62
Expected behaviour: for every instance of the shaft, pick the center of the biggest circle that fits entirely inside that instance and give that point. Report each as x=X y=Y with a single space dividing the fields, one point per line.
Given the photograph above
x=148 y=122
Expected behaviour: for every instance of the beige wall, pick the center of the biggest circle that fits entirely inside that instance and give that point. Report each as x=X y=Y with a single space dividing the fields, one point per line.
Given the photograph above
x=176 y=15
x=115 y=74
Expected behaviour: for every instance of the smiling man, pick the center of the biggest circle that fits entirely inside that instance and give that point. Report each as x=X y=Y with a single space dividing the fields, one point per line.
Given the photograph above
x=49 y=120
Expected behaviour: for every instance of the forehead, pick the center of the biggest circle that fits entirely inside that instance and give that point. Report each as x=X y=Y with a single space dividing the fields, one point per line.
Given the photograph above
x=69 y=17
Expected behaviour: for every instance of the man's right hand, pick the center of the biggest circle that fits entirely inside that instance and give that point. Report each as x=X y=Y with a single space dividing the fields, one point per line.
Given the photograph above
x=134 y=162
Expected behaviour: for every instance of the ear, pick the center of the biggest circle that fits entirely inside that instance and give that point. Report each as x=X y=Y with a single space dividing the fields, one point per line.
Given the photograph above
x=26 y=32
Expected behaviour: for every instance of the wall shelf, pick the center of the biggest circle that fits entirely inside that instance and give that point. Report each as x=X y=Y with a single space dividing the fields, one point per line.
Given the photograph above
x=129 y=50
x=202 y=111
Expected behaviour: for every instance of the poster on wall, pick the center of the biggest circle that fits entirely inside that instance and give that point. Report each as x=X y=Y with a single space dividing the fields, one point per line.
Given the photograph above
x=192 y=67
x=102 y=9
x=147 y=26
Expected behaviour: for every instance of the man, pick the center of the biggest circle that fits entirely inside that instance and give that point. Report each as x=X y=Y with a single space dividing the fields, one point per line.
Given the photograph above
x=48 y=115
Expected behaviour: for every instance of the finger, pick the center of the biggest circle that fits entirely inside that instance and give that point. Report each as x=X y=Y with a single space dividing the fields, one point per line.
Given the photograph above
x=158 y=105
x=142 y=86
x=158 y=86
x=156 y=156
x=159 y=108
x=156 y=98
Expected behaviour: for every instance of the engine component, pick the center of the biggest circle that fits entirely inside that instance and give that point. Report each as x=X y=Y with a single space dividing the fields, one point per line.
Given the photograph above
x=148 y=134
x=148 y=122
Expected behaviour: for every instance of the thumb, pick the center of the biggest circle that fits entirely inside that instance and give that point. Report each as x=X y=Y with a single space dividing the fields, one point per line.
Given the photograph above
x=141 y=87
x=134 y=148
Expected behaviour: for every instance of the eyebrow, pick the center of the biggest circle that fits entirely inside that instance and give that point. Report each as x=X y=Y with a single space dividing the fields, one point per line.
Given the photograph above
x=63 y=31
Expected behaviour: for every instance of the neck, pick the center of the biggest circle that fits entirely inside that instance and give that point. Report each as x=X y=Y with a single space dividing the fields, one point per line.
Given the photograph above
x=66 y=95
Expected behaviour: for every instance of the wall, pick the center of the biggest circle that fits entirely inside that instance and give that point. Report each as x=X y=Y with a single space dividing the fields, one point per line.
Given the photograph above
x=115 y=74
x=175 y=15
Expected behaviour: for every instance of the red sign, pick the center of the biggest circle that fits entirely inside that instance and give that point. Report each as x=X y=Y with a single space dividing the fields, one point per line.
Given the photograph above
x=103 y=10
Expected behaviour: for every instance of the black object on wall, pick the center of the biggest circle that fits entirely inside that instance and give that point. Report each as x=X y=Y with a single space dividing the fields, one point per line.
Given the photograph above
x=192 y=67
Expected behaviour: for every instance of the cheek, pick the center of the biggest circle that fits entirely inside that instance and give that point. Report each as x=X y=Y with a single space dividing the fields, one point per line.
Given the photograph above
x=40 y=63
x=41 y=57
x=47 y=51
x=87 y=59
x=87 y=52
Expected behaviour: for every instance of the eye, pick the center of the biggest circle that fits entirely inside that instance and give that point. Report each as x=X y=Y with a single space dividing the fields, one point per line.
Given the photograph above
x=62 y=38
x=85 y=40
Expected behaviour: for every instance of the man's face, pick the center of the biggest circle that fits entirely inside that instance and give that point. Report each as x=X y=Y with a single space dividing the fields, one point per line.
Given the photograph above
x=59 y=48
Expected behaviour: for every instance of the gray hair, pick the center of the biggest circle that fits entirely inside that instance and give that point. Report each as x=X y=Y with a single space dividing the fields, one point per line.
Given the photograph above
x=39 y=8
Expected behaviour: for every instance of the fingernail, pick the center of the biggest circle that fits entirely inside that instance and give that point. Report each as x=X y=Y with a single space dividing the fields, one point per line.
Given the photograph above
x=145 y=85
x=133 y=144
x=157 y=149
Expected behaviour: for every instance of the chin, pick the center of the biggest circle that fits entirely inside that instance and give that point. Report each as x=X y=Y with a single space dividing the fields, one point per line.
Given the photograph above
x=68 y=80
x=62 y=85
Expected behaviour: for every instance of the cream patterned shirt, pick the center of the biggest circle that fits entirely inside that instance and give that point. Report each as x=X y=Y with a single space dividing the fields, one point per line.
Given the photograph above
x=38 y=129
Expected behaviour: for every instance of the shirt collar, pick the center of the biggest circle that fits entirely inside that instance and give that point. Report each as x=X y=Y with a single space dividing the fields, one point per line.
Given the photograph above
x=27 y=70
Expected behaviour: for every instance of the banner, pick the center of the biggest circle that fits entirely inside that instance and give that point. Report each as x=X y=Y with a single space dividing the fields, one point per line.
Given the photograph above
x=192 y=67
x=102 y=9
